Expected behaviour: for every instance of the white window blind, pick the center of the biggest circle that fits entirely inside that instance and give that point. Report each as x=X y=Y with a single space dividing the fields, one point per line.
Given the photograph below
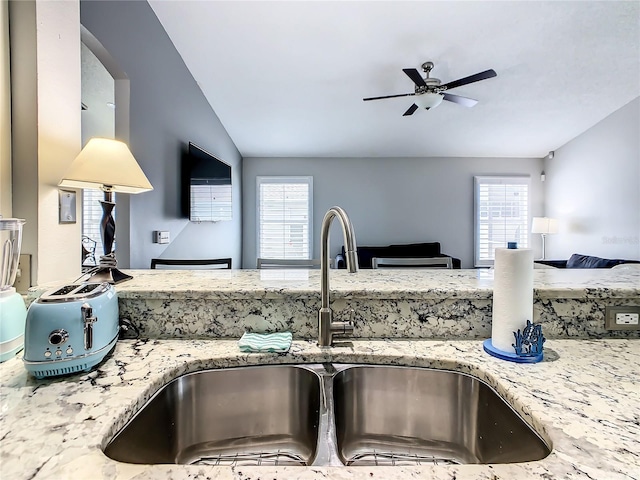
x=91 y=217
x=501 y=215
x=284 y=217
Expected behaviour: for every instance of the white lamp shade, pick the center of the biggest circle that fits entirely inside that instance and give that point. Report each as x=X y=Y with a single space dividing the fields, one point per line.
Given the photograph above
x=428 y=100
x=544 y=225
x=106 y=164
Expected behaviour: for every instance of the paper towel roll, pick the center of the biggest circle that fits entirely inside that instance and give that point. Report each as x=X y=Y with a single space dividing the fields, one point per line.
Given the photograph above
x=512 y=295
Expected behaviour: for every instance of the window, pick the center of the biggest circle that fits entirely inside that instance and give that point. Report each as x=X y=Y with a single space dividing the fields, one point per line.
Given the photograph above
x=284 y=217
x=501 y=215
x=91 y=217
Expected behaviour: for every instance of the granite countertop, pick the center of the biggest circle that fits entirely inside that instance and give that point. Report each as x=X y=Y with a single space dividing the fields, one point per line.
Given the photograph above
x=370 y=284
x=404 y=303
x=583 y=399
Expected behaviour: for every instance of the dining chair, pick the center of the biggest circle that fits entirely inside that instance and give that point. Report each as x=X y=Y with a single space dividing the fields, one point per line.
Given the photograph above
x=427 y=262
x=289 y=263
x=191 y=264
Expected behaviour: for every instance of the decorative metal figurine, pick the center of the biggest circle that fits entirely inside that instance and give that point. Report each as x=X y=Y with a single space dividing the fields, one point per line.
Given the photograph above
x=529 y=341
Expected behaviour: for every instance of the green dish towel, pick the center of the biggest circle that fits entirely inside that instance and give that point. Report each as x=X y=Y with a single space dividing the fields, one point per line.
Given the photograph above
x=265 y=342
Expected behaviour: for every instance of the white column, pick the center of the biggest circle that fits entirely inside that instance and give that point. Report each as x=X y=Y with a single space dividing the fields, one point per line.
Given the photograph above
x=46 y=129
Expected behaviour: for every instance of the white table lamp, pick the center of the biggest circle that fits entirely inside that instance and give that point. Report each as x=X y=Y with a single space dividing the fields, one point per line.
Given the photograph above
x=544 y=226
x=108 y=165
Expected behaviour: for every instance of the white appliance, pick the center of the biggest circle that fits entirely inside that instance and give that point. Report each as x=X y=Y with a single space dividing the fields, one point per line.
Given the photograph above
x=13 y=312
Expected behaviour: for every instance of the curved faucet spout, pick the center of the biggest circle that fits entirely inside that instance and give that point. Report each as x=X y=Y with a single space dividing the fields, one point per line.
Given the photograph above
x=327 y=328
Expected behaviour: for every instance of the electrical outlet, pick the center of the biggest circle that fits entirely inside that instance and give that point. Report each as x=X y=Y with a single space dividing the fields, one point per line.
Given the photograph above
x=622 y=318
x=627 y=318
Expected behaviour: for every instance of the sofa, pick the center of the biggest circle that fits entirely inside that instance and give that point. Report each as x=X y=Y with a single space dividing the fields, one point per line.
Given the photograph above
x=585 y=261
x=411 y=250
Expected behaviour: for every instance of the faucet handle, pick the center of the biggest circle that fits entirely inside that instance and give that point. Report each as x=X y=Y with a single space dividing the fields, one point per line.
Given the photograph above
x=344 y=328
x=341 y=329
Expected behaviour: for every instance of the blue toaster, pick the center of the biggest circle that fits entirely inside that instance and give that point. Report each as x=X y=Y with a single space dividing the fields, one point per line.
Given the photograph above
x=70 y=329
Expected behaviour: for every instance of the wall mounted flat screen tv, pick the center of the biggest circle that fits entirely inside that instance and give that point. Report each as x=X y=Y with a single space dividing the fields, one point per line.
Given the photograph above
x=209 y=186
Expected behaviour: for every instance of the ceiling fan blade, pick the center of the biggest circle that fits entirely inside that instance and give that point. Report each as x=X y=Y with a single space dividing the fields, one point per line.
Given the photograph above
x=464 y=101
x=410 y=111
x=414 y=75
x=470 y=79
x=388 y=96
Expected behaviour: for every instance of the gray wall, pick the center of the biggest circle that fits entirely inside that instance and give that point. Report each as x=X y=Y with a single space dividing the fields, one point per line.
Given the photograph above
x=393 y=200
x=167 y=110
x=98 y=88
x=593 y=188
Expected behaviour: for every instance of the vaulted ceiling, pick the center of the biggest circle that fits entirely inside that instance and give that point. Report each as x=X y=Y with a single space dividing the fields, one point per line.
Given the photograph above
x=287 y=78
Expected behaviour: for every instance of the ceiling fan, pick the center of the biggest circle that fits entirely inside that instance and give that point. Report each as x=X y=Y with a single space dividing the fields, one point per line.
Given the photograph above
x=429 y=92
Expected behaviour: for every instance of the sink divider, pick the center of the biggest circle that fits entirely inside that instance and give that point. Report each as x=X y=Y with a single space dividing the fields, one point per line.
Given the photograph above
x=327 y=446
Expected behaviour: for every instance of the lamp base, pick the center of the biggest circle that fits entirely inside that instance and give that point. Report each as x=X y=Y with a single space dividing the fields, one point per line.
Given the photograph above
x=106 y=274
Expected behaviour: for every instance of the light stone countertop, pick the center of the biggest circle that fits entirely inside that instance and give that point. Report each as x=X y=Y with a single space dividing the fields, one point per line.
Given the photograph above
x=584 y=398
x=370 y=284
x=405 y=303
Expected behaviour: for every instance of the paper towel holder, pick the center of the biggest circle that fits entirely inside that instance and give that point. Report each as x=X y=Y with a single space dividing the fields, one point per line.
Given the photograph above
x=527 y=347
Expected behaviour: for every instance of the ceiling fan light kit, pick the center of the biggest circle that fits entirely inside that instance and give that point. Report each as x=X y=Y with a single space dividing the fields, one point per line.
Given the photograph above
x=428 y=100
x=429 y=92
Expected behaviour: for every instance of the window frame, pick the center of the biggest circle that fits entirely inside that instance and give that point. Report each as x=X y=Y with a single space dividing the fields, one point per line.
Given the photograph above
x=479 y=180
x=271 y=179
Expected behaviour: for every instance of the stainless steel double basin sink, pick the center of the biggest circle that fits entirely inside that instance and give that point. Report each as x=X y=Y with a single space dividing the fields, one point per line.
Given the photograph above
x=329 y=414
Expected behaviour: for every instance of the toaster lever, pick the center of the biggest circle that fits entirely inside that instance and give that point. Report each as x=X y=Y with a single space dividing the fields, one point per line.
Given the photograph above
x=89 y=320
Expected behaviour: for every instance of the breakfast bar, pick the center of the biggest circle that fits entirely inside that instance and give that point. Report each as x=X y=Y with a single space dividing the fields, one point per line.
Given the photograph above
x=451 y=304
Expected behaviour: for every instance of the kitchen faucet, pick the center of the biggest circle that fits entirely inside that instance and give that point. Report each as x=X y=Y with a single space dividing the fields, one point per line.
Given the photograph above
x=327 y=328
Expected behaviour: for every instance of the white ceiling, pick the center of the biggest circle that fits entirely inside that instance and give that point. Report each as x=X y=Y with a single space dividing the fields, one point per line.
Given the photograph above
x=287 y=78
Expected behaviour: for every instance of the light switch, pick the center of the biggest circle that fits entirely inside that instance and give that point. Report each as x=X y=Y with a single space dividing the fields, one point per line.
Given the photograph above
x=161 y=236
x=66 y=206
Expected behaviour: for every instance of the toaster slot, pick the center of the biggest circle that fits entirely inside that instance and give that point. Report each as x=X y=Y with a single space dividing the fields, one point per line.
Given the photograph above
x=88 y=288
x=64 y=290
x=74 y=292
